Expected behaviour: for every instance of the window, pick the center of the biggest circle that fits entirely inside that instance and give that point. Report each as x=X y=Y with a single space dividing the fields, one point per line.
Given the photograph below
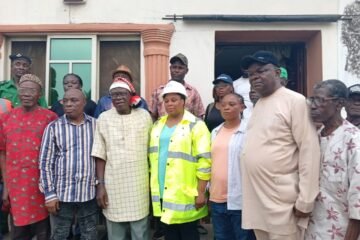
x=92 y=57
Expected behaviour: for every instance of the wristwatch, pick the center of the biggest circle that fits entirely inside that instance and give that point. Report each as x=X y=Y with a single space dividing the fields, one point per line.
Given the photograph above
x=99 y=181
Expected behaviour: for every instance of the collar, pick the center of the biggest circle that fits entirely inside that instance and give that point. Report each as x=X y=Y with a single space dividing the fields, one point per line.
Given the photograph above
x=64 y=119
x=240 y=129
x=188 y=117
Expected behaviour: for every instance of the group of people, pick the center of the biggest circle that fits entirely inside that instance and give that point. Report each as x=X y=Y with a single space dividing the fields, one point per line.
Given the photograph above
x=269 y=163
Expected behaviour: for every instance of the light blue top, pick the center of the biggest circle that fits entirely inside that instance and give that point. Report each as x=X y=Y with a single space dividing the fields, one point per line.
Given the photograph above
x=165 y=137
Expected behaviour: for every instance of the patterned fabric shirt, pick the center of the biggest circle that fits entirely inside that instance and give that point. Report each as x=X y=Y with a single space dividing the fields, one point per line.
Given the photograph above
x=193 y=102
x=339 y=197
x=122 y=141
x=67 y=170
x=8 y=90
x=20 y=138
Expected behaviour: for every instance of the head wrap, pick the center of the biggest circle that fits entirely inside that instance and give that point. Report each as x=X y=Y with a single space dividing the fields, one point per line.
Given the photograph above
x=121 y=82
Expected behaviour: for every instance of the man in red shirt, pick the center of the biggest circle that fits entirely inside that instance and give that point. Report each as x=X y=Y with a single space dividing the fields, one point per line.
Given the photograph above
x=21 y=131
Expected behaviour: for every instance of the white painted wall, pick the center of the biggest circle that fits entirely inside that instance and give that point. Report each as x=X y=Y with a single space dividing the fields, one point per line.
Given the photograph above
x=195 y=40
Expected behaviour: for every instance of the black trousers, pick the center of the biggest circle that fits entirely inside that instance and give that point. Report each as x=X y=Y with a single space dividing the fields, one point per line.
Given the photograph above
x=39 y=229
x=182 y=231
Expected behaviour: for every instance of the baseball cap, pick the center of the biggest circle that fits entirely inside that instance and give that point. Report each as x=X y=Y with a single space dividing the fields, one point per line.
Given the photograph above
x=179 y=57
x=124 y=69
x=223 y=78
x=174 y=87
x=283 y=73
x=354 y=89
x=17 y=56
x=262 y=57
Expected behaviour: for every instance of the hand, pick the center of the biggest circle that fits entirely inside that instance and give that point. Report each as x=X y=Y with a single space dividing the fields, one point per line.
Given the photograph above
x=53 y=206
x=200 y=201
x=101 y=196
x=300 y=214
x=5 y=197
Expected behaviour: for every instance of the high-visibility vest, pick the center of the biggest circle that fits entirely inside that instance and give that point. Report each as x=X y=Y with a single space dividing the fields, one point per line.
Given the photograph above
x=188 y=160
x=5 y=105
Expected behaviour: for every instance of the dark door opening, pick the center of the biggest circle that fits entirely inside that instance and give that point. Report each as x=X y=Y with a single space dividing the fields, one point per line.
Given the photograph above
x=291 y=56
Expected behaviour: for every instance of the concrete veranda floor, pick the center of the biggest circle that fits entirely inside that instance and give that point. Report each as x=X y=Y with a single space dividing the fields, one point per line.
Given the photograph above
x=101 y=232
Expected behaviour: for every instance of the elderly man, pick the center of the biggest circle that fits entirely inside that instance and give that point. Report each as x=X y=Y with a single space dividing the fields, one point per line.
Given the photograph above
x=67 y=170
x=352 y=105
x=20 y=65
x=178 y=70
x=105 y=102
x=21 y=131
x=280 y=159
x=120 y=148
x=337 y=209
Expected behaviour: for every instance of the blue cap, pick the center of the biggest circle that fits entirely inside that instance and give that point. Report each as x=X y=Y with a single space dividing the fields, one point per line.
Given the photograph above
x=223 y=78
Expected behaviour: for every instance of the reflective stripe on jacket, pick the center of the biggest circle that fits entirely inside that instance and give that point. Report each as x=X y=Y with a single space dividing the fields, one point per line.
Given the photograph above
x=188 y=160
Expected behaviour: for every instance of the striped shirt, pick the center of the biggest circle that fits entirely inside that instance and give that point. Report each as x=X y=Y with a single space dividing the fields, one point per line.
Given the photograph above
x=67 y=170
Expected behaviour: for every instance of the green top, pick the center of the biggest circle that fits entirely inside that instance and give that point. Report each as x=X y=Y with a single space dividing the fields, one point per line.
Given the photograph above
x=8 y=91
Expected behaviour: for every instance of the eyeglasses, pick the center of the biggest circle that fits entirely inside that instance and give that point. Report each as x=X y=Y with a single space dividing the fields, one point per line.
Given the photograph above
x=31 y=91
x=318 y=101
x=119 y=94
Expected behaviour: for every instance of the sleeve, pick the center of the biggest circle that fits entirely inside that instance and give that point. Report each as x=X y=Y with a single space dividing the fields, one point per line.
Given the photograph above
x=2 y=134
x=354 y=177
x=48 y=153
x=201 y=150
x=99 y=144
x=199 y=110
x=305 y=136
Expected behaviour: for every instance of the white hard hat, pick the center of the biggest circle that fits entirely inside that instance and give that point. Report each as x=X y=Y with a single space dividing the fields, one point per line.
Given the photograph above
x=174 y=87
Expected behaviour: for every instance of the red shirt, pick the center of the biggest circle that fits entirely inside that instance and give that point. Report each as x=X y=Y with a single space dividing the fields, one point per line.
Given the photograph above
x=20 y=138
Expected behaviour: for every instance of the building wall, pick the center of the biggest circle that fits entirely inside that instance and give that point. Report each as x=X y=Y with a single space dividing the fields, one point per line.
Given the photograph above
x=195 y=39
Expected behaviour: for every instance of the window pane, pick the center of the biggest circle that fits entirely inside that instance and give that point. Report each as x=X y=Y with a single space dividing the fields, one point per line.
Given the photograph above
x=84 y=71
x=114 y=53
x=70 y=49
x=57 y=72
x=36 y=50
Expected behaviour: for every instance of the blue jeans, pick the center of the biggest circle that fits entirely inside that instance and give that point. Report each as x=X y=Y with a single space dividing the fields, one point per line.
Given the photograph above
x=87 y=218
x=227 y=223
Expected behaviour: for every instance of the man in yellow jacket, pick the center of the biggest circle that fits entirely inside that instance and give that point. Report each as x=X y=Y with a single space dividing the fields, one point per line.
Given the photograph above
x=180 y=166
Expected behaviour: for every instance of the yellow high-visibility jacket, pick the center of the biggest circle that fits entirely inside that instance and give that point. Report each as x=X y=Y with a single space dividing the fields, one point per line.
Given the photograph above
x=188 y=160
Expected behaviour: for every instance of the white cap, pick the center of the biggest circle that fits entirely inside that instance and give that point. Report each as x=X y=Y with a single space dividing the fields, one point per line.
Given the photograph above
x=118 y=84
x=174 y=87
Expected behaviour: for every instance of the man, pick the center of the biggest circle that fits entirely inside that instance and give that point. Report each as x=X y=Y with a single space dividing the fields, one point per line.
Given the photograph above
x=21 y=131
x=105 y=102
x=280 y=159
x=20 y=65
x=337 y=209
x=242 y=87
x=352 y=105
x=67 y=170
x=120 y=148
x=5 y=106
x=178 y=70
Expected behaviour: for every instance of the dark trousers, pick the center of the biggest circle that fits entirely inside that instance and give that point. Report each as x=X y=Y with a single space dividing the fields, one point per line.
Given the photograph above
x=39 y=229
x=86 y=213
x=182 y=231
x=227 y=223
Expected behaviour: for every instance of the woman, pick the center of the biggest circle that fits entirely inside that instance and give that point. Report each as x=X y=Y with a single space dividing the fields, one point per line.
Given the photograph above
x=70 y=81
x=223 y=85
x=180 y=166
x=225 y=188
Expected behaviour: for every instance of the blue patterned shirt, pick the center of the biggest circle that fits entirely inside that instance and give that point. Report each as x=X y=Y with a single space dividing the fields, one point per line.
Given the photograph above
x=67 y=170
